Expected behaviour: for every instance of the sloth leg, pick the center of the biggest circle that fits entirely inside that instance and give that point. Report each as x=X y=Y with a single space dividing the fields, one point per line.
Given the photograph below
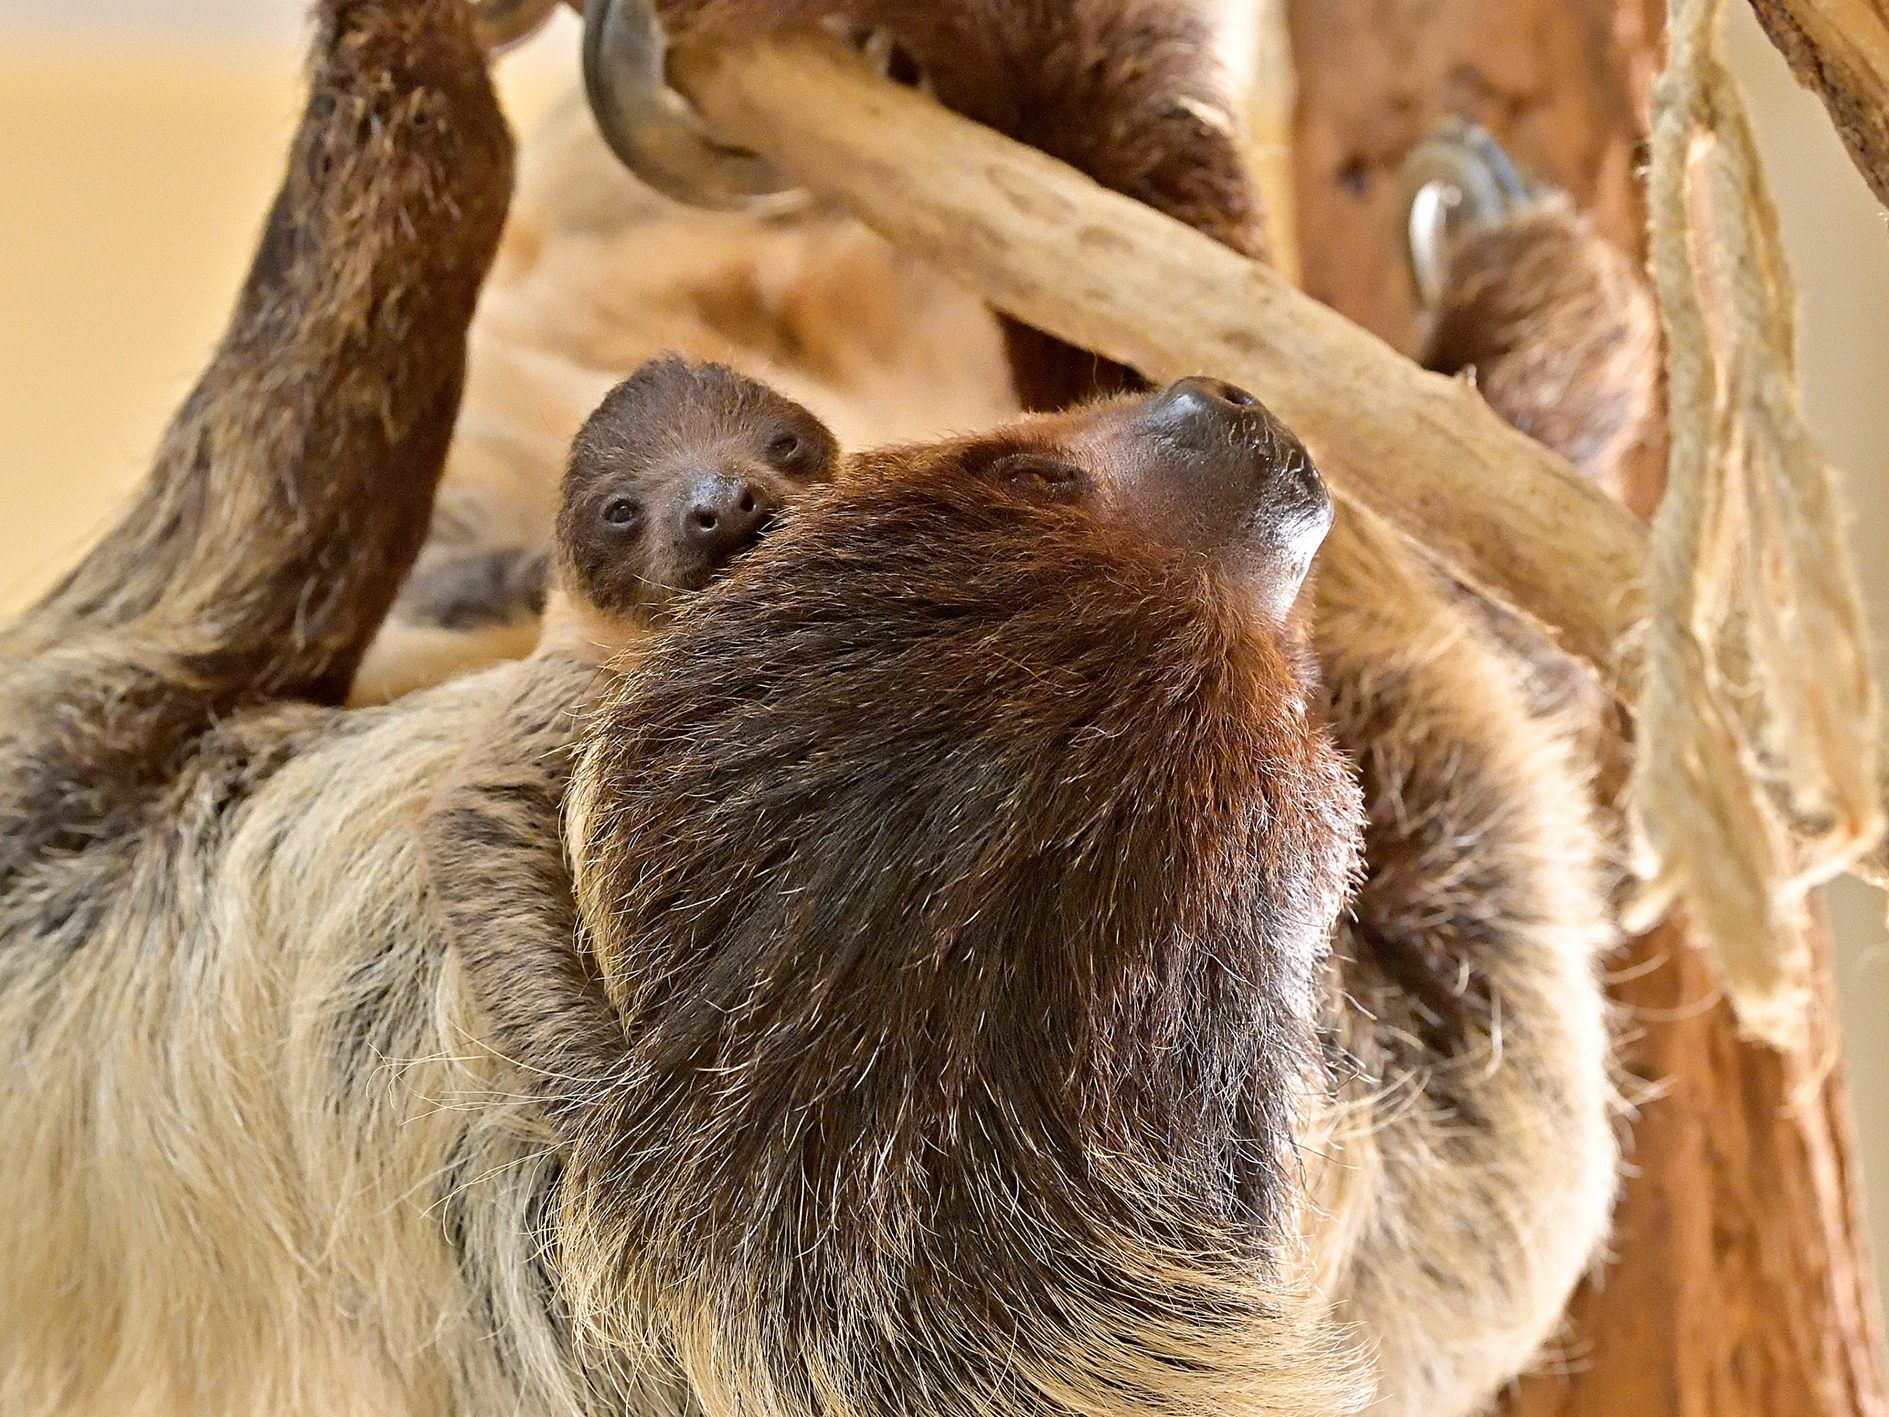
x=1554 y=322
x=1128 y=93
x=501 y=886
x=292 y=489
x=1557 y=329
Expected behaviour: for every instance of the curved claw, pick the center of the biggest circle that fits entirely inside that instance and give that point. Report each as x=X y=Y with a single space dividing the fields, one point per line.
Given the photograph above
x=652 y=128
x=1456 y=179
x=502 y=23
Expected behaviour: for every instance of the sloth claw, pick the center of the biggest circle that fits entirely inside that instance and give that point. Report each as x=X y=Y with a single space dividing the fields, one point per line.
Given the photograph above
x=502 y=23
x=1457 y=180
x=652 y=129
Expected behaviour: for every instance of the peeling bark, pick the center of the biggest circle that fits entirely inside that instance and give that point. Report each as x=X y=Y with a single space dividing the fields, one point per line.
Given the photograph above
x=1839 y=50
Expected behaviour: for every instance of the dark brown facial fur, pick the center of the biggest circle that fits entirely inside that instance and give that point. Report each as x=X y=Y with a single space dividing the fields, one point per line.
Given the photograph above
x=683 y=468
x=992 y=772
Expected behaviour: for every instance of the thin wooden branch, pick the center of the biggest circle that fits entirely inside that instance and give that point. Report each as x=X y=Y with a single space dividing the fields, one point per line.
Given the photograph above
x=1049 y=246
x=1839 y=50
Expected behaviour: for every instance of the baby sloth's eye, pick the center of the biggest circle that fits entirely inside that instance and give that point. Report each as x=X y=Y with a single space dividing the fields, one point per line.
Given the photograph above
x=785 y=448
x=621 y=512
x=1041 y=475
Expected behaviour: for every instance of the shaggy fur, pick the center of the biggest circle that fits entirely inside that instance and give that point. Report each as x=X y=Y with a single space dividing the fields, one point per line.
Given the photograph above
x=826 y=1051
x=1585 y=392
x=269 y=1153
x=845 y=904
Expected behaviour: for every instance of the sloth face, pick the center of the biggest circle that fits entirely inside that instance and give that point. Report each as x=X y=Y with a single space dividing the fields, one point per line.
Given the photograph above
x=1200 y=473
x=682 y=469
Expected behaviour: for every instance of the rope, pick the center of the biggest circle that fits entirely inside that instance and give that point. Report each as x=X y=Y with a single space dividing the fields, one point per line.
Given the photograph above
x=1756 y=772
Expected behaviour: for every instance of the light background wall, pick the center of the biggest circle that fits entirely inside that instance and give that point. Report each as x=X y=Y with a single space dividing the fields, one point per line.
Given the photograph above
x=140 y=141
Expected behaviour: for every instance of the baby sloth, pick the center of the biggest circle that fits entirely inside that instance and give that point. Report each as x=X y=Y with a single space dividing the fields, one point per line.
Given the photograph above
x=681 y=469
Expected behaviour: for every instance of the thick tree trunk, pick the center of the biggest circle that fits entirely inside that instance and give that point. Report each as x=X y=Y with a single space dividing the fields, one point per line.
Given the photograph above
x=1740 y=1284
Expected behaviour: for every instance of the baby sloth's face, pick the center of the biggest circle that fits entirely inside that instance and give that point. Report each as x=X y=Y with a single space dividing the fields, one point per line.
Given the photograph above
x=682 y=469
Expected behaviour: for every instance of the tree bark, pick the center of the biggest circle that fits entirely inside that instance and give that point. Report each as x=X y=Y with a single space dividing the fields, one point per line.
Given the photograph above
x=1740 y=1284
x=1839 y=50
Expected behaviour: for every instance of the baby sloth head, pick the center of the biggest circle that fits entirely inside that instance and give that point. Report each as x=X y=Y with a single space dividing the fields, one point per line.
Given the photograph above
x=681 y=469
x=962 y=866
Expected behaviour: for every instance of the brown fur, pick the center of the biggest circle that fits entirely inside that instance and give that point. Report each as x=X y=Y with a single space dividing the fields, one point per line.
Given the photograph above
x=929 y=947
x=667 y=438
x=1465 y=1048
x=1583 y=392
x=645 y=470
x=269 y=1153
x=1131 y=91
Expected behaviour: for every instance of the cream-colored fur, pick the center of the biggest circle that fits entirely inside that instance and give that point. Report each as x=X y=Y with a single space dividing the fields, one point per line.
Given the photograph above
x=1464 y=1196
x=256 y=1159
x=235 y=1149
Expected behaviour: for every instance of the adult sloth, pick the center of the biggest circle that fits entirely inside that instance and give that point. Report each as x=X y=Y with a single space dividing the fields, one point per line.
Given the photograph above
x=259 y=1159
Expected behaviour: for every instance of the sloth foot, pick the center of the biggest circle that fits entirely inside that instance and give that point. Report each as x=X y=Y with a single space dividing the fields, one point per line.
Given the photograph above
x=1457 y=181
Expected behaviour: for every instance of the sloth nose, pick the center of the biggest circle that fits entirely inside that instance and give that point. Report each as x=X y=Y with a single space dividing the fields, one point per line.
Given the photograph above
x=1222 y=431
x=1233 y=477
x=1206 y=400
x=725 y=515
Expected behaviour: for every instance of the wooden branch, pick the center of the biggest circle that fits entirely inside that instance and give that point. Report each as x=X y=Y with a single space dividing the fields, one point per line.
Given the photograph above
x=1839 y=50
x=1047 y=245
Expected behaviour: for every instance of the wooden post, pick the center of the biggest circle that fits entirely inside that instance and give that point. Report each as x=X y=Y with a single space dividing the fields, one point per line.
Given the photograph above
x=1258 y=46
x=1740 y=1284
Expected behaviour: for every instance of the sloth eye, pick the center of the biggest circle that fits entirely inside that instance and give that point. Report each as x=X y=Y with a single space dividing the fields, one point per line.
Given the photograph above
x=784 y=448
x=621 y=512
x=1033 y=472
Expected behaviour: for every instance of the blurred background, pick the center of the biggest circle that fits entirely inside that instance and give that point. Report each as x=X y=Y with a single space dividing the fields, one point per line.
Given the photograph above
x=141 y=140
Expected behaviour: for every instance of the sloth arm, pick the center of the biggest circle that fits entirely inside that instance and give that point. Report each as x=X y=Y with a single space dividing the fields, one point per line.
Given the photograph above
x=293 y=487
x=500 y=883
x=1556 y=326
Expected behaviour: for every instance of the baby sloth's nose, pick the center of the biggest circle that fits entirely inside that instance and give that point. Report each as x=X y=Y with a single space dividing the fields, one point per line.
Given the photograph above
x=725 y=515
